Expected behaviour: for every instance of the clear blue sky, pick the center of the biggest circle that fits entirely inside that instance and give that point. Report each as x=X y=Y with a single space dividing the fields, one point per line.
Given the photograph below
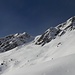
x=33 y=16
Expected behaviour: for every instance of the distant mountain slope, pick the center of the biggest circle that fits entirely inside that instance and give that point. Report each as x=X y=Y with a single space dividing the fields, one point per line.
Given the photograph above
x=11 y=41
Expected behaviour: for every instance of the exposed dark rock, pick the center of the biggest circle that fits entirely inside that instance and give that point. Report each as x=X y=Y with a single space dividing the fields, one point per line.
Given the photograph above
x=47 y=36
x=12 y=41
x=59 y=30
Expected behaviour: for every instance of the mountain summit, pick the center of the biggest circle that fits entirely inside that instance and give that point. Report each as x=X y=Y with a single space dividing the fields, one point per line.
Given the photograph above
x=11 y=41
x=51 y=53
x=59 y=30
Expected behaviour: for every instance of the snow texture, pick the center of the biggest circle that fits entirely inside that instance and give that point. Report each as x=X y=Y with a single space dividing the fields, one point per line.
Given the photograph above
x=52 y=53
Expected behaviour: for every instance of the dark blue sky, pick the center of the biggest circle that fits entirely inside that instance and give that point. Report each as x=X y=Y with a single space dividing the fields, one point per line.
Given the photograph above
x=33 y=16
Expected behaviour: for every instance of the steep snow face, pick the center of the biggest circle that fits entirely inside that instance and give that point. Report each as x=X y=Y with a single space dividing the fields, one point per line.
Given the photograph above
x=55 y=57
x=47 y=36
x=12 y=41
x=59 y=30
x=68 y=25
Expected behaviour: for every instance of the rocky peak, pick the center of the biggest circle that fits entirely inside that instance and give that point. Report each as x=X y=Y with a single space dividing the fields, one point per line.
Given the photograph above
x=59 y=30
x=47 y=36
x=68 y=25
x=11 y=41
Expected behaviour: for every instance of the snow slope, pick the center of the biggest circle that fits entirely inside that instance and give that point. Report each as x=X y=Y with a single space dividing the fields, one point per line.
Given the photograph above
x=56 y=57
x=11 y=41
x=61 y=66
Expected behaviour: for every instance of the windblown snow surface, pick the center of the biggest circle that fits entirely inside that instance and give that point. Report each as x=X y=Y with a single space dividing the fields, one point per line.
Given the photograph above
x=54 y=58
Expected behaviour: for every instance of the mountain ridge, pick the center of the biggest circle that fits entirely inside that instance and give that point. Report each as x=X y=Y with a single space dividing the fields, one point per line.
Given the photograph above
x=59 y=30
x=11 y=41
x=53 y=54
x=14 y=40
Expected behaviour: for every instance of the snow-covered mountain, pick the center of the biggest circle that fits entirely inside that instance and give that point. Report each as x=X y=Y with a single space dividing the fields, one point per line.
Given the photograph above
x=11 y=41
x=53 y=32
x=52 y=53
